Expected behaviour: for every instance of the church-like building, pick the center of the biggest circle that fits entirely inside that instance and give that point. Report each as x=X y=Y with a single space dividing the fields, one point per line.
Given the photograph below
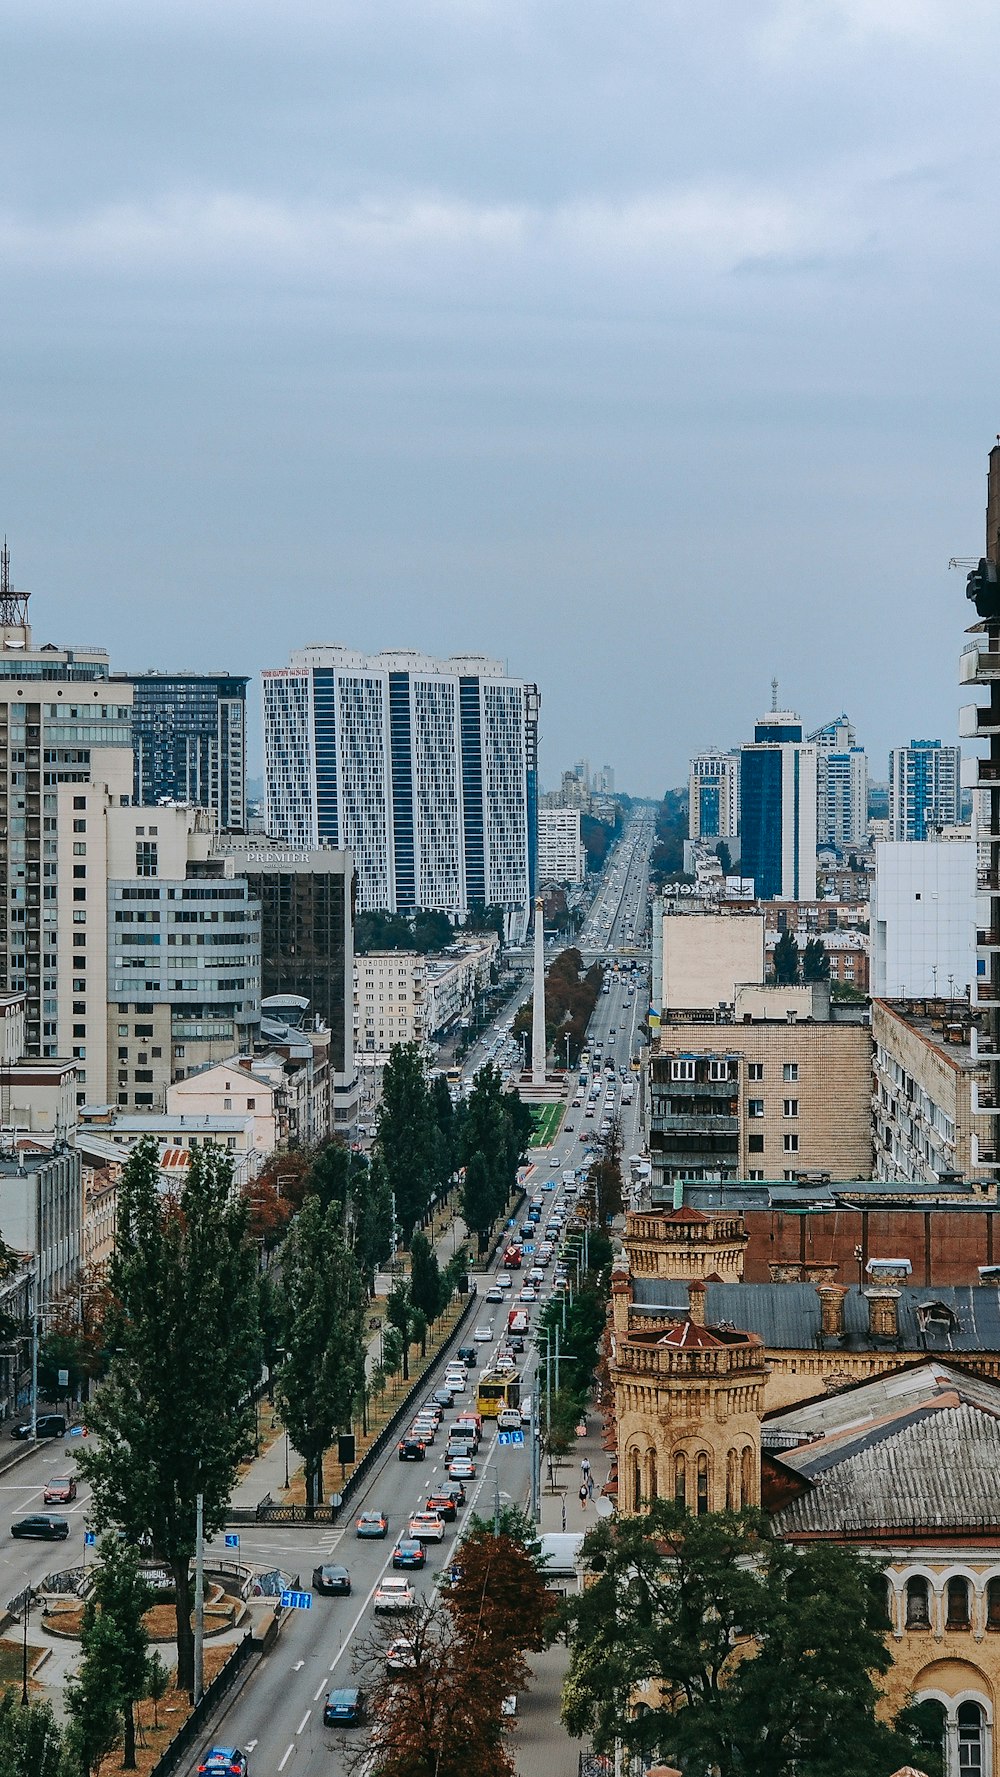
x=866 y=1414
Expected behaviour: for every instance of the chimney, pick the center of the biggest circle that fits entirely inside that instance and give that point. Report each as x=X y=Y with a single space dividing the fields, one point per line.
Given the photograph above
x=784 y=1270
x=883 y=1312
x=831 y=1307
x=697 y=1292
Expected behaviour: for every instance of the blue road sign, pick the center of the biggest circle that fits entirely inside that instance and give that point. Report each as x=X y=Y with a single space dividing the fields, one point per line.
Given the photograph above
x=296 y=1600
x=510 y=1437
x=528 y=1246
x=232 y=1540
x=76 y=1431
x=90 y=1538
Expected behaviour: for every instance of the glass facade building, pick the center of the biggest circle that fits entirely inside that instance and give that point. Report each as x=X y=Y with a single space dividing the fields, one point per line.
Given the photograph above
x=189 y=740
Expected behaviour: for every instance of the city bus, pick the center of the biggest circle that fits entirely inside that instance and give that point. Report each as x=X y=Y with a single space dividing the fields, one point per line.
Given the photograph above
x=494 y=1392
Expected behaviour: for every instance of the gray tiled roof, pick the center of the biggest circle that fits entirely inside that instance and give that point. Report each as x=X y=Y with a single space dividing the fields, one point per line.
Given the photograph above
x=941 y=1470
x=787 y=1315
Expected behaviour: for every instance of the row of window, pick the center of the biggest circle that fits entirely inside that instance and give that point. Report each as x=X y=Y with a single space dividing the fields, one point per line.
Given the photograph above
x=683 y=1068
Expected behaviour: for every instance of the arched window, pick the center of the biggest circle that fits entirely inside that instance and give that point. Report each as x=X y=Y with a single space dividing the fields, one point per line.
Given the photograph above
x=732 y=1482
x=918 y=1609
x=958 y=1604
x=651 y=1483
x=881 y=1597
x=928 y=1720
x=703 y=1474
x=970 y=1739
x=993 y=1604
x=680 y=1478
x=636 y=1481
x=746 y=1477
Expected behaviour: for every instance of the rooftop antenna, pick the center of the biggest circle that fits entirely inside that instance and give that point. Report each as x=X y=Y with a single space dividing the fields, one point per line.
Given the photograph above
x=774 y=695
x=13 y=605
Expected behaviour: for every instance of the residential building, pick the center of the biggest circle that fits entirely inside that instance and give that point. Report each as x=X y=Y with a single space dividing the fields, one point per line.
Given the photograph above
x=815 y=916
x=189 y=741
x=561 y=857
x=427 y=770
x=778 y=810
x=846 y=952
x=604 y=781
x=164 y=941
x=41 y=1209
x=760 y=1098
x=923 y=919
x=307 y=943
x=925 y=790
x=699 y=959
x=231 y=1088
x=980 y=666
x=457 y=978
x=931 y=1091
x=842 y=798
x=390 y=1000
x=64 y=726
x=177 y=1134
x=714 y=795
x=37 y=1095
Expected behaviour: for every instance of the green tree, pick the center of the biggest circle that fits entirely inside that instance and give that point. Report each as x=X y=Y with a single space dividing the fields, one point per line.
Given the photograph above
x=477 y=1197
x=425 y=1277
x=157 y=1683
x=374 y=1229
x=677 y=1602
x=114 y=1644
x=322 y=1326
x=176 y=1411
x=443 y=1112
x=725 y=857
x=399 y=1314
x=815 y=961
x=32 y=1744
x=407 y=1138
x=61 y=1349
x=394 y=1352
x=786 y=960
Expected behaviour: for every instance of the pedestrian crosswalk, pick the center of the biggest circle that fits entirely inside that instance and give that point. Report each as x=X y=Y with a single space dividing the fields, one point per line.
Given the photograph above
x=330 y=1540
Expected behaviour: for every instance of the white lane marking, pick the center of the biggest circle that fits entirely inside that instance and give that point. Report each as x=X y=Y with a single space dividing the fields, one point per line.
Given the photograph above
x=317 y=1695
x=298 y=1666
x=288 y=1753
x=251 y=1745
x=302 y=1723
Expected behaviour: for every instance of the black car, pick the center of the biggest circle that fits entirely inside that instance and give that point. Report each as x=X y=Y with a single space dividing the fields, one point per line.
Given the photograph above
x=344 y=1708
x=444 y=1397
x=43 y=1524
x=47 y=1425
x=469 y=1356
x=331 y=1580
x=411 y=1450
x=455 y=1488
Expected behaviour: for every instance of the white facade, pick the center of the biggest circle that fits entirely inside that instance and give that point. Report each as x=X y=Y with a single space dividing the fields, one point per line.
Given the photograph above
x=426 y=769
x=842 y=797
x=714 y=795
x=924 y=789
x=390 y=1000
x=561 y=857
x=923 y=920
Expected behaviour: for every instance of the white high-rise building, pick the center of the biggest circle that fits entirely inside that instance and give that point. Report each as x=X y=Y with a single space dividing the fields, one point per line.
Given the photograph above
x=841 y=784
x=427 y=770
x=561 y=857
x=924 y=789
x=714 y=795
x=923 y=919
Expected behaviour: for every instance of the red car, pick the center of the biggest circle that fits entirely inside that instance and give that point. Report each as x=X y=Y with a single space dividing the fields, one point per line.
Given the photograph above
x=59 y=1491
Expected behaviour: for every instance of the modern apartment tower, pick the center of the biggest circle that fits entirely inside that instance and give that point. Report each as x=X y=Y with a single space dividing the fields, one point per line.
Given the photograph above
x=924 y=789
x=426 y=770
x=778 y=810
x=980 y=666
x=64 y=726
x=841 y=784
x=714 y=795
x=189 y=738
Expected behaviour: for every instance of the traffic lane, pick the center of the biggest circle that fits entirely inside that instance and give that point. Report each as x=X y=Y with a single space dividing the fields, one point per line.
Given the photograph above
x=26 y=1562
x=278 y=1714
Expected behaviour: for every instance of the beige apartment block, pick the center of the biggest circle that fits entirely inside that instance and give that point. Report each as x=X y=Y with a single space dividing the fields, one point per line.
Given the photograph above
x=760 y=1101
x=390 y=1000
x=930 y=1098
x=706 y=956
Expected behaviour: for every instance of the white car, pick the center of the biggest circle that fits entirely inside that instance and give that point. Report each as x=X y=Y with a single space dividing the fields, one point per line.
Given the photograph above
x=509 y=1419
x=482 y=1335
x=527 y=1293
x=504 y=1281
x=391 y=1594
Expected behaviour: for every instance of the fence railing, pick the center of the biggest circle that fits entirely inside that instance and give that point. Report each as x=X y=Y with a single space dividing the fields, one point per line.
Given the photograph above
x=190 y=1730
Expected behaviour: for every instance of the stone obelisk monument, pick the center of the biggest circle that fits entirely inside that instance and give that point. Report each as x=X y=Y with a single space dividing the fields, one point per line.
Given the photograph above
x=538 y=999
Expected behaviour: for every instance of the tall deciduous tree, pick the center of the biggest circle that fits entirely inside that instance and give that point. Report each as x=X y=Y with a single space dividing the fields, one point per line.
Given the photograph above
x=407 y=1137
x=175 y=1414
x=321 y=1314
x=786 y=960
x=32 y=1744
x=425 y=1277
x=399 y=1314
x=500 y=1598
x=114 y=1642
x=815 y=961
x=374 y=1231
x=756 y=1657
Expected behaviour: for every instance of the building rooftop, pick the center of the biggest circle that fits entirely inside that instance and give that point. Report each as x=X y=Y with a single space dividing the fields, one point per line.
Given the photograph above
x=787 y=1317
x=793 y=1197
x=944 y=1025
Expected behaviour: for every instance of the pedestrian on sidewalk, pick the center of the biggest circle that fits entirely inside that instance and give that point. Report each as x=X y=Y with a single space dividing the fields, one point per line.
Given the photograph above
x=585 y=1467
x=583 y=1496
x=590 y=1486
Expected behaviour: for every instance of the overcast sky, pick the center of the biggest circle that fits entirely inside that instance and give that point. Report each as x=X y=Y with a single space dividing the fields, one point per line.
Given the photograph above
x=649 y=344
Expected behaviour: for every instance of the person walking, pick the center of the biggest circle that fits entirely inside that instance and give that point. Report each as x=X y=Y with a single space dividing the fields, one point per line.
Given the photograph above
x=590 y=1486
x=583 y=1496
x=585 y=1468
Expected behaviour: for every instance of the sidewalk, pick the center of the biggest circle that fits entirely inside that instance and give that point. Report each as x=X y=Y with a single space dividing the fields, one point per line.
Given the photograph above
x=542 y=1747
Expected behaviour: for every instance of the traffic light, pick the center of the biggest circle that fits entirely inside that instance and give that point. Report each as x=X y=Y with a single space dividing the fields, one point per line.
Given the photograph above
x=983 y=589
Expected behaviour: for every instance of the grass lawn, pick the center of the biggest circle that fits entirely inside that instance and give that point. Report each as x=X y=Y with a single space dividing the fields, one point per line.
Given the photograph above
x=546 y=1118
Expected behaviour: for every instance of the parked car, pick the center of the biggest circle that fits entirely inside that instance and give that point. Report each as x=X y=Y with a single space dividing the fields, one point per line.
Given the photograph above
x=331 y=1580
x=344 y=1708
x=42 y=1524
x=47 y=1425
x=59 y=1491
x=372 y=1524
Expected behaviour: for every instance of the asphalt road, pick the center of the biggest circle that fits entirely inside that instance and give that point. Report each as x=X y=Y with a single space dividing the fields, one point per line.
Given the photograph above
x=27 y=1563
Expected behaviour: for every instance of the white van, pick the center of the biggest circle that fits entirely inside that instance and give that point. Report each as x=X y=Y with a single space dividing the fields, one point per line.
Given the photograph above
x=526 y=1410
x=509 y=1419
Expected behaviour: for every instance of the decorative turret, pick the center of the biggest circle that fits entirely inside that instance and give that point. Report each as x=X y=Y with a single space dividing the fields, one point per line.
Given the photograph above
x=686 y=1243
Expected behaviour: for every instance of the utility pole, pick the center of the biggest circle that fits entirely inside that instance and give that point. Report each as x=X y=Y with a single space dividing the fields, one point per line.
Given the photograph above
x=199 y=1600
x=34 y=1355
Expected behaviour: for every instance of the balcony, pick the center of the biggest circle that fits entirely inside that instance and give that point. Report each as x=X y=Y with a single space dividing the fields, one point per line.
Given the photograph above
x=696 y=1125
x=978 y=664
x=984 y=1102
x=978 y=721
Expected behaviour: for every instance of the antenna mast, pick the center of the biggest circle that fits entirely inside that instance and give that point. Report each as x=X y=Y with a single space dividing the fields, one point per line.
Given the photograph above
x=13 y=605
x=774 y=696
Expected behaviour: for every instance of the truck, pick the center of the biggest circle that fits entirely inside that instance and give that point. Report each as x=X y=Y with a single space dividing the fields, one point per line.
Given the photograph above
x=517 y=1320
x=512 y=1257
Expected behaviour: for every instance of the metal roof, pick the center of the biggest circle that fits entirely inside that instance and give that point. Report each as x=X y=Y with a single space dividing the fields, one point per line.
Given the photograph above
x=787 y=1315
